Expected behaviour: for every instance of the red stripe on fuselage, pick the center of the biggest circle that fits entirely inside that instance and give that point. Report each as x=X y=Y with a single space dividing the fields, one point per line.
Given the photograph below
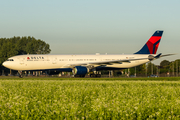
x=151 y=42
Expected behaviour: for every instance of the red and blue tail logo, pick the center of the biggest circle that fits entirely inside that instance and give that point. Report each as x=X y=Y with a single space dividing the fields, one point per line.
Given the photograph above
x=152 y=44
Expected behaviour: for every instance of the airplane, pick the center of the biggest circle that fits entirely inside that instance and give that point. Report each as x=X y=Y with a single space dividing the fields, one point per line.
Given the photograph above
x=80 y=65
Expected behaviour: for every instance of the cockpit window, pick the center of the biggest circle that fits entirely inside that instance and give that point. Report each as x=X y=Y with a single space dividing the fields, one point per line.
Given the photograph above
x=10 y=60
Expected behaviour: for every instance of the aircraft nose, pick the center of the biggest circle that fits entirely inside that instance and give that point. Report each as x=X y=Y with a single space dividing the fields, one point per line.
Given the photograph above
x=8 y=64
x=4 y=64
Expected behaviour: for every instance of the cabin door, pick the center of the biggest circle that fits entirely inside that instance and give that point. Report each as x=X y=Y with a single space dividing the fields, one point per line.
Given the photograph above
x=21 y=60
x=54 y=61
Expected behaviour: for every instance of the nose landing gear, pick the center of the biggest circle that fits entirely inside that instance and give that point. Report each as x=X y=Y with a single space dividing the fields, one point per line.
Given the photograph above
x=20 y=74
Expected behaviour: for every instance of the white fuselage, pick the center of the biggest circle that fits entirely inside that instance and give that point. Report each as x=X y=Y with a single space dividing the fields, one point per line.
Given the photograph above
x=43 y=62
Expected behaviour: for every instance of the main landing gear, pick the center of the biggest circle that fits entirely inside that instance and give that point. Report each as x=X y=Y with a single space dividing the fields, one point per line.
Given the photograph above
x=91 y=75
x=80 y=76
x=95 y=75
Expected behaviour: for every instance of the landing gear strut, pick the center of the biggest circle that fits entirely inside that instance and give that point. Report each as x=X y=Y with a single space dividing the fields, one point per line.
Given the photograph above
x=20 y=74
x=95 y=74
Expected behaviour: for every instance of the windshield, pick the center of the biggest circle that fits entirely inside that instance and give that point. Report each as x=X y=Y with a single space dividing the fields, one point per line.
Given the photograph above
x=10 y=60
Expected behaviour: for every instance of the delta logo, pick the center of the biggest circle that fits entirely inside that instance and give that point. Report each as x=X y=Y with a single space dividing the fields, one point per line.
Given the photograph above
x=35 y=58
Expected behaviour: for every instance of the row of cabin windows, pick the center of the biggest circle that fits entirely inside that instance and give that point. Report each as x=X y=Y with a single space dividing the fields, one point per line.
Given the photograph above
x=85 y=59
x=110 y=59
x=77 y=59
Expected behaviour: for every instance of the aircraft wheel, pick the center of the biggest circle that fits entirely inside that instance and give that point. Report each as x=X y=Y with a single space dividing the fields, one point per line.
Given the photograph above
x=98 y=75
x=20 y=74
x=92 y=75
x=81 y=76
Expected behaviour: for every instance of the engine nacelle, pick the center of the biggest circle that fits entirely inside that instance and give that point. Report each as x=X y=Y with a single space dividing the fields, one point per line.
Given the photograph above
x=80 y=70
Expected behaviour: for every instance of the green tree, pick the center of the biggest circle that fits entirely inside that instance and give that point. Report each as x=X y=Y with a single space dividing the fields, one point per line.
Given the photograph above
x=21 y=45
x=174 y=67
x=140 y=70
x=164 y=63
x=151 y=68
x=164 y=66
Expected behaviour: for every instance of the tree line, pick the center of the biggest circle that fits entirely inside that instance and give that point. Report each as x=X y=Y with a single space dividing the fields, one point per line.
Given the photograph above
x=21 y=45
x=166 y=68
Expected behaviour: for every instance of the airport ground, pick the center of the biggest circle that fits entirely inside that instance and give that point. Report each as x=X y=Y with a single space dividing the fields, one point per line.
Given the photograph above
x=89 y=98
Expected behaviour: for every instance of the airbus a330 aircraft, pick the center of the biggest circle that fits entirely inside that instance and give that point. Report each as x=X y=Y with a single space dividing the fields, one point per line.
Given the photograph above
x=80 y=65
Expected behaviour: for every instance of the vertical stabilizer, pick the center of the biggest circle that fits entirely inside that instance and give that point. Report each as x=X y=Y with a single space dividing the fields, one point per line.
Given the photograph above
x=152 y=44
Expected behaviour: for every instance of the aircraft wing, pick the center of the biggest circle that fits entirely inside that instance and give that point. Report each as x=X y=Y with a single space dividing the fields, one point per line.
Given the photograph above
x=101 y=63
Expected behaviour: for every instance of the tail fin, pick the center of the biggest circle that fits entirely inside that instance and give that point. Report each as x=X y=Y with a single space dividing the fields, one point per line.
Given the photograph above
x=152 y=44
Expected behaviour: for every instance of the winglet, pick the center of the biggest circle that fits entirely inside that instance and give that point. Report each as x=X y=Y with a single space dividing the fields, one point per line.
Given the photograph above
x=152 y=44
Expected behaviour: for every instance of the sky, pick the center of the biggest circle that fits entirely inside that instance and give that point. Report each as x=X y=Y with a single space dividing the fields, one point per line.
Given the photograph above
x=94 y=26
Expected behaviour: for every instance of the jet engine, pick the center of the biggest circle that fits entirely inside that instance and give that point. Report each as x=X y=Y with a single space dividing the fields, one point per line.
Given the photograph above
x=80 y=71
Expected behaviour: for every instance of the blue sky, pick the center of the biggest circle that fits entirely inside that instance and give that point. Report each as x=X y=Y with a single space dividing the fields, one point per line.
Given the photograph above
x=94 y=26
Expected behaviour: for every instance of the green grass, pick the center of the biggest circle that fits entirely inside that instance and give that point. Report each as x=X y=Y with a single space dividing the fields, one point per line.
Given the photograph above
x=104 y=98
x=96 y=79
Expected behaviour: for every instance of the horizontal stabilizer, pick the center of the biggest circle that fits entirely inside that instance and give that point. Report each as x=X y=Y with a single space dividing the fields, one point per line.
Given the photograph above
x=151 y=57
x=167 y=55
x=157 y=56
